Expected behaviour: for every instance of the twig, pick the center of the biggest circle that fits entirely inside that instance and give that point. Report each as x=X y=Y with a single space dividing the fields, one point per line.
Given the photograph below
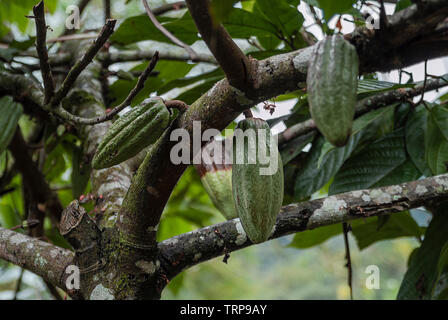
x=169 y=35
x=168 y=7
x=248 y=114
x=176 y=104
x=74 y=72
x=18 y=284
x=41 y=48
x=346 y=229
x=424 y=83
x=138 y=87
x=107 y=10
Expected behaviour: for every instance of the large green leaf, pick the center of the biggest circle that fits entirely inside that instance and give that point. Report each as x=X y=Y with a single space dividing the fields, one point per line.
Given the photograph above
x=311 y=238
x=423 y=271
x=367 y=87
x=10 y=113
x=311 y=177
x=358 y=125
x=398 y=225
x=139 y=28
x=371 y=165
x=405 y=172
x=415 y=129
x=244 y=24
x=285 y=16
x=331 y=7
x=436 y=147
x=440 y=117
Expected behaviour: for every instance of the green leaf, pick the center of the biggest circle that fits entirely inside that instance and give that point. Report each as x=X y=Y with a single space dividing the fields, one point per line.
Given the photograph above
x=440 y=117
x=368 y=87
x=405 y=172
x=311 y=238
x=220 y=9
x=331 y=7
x=436 y=147
x=244 y=24
x=8 y=216
x=415 y=129
x=10 y=113
x=402 y=4
x=358 y=125
x=283 y=15
x=398 y=225
x=139 y=28
x=371 y=165
x=292 y=148
x=422 y=274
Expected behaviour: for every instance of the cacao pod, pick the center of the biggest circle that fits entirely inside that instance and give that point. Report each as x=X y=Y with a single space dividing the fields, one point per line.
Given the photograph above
x=216 y=177
x=10 y=112
x=331 y=84
x=257 y=190
x=131 y=133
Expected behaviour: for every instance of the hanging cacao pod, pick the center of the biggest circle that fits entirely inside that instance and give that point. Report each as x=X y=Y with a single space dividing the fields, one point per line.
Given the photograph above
x=257 y=182
x=332 y=81
x=131 y=133
x=216 y=177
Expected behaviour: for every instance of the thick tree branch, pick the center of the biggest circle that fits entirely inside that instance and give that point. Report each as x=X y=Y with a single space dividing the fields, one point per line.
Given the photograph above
x=237 y=67
x=41 y=48
x=168 y=34
x=189 y=249
x=42 y=258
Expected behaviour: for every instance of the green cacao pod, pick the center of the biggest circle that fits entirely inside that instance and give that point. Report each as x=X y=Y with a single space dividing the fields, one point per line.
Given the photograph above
x=10 y=113
x=216 y=177
x=257 y=178
x=332 y=82
x=131 y=133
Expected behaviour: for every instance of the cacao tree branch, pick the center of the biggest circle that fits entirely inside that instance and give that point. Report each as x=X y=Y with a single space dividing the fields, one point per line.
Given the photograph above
x=186 y=250
x=41 y=48
x=236 y=66
x=39 y=257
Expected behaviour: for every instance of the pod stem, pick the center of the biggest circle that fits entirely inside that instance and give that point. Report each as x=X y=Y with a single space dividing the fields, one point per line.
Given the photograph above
x=248 y=114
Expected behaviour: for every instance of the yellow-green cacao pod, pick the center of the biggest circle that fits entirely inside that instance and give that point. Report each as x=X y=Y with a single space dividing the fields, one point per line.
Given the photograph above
x=257 y=178
x=216 y=176
x=332 y=81
x=131 y=133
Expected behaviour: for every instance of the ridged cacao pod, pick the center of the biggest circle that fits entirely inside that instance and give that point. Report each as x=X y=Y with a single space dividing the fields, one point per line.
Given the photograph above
x=216 y=177
x=332 y=82
x=257 y=184
x=10 y=113
x=131 y=133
